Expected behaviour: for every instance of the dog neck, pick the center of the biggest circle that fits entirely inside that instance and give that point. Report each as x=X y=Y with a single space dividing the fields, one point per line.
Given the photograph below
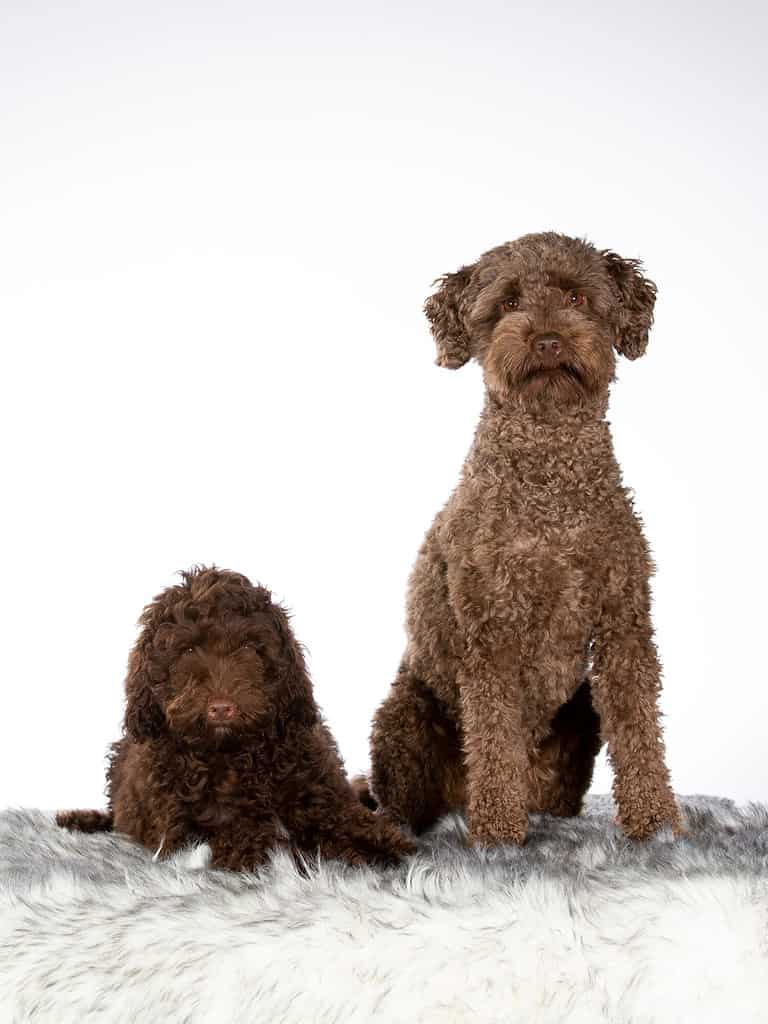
x=550 y=463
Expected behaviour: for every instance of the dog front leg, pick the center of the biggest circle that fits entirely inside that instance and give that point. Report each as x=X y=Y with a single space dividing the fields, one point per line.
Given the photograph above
x=247 y=844
x=153 y=819
x=626 y=686
x=495 y=753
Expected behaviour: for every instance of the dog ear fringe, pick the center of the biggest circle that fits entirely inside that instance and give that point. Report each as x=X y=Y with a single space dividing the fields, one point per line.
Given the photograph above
x=636 y=297
x=443 y=310
x=143 y=717
x=295 y=692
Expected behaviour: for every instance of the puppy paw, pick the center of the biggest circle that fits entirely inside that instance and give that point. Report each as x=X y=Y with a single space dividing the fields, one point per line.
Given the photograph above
x=239 y=860
x=85 y=821
x=388 y=846
x=378 y=842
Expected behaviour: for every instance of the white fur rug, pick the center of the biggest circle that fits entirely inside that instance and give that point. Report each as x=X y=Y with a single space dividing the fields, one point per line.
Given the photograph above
x=580 y=925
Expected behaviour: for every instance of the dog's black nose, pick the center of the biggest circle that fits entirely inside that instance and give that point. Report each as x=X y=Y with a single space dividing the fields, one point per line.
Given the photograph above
x=548 y=345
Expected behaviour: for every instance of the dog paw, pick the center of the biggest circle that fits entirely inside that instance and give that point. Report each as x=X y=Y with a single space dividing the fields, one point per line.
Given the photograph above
x=495 y=822
x=367 y=839
x=498 y=831
x=388 y=847
x=497 y=837
x=646 y=823
x=239 y=860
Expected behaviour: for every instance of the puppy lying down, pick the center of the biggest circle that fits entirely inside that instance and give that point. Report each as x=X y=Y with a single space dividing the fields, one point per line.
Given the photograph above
x=223 y=741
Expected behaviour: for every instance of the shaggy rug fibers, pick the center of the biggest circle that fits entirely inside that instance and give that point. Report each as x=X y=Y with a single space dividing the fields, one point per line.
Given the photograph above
x=580 y=925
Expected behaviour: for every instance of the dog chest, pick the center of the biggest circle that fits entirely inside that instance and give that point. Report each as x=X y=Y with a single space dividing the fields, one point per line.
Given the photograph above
x=217 y=793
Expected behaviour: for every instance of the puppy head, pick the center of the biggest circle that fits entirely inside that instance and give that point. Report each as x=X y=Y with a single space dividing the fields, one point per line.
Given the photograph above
x=543 y=316
x=215 y=661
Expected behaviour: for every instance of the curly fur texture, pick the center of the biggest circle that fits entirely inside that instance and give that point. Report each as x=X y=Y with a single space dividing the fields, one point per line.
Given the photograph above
x=528 y=611
x=223 y=740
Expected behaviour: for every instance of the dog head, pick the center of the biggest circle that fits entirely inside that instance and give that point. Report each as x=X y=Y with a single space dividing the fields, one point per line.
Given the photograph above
x=215 y=660
x=543 y=316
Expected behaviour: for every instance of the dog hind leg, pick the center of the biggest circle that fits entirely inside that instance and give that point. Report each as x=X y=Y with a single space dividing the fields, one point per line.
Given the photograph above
x=563 y=765
x=417 y=771
x=85 y=821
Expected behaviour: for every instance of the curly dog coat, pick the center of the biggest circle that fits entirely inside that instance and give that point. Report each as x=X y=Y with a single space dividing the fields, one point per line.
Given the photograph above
x=223 y=739
x=528 y=610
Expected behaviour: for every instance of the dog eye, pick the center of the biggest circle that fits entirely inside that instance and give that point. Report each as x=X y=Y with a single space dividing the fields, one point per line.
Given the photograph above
x=248 y=643
x=511 y=304
x=576 y=298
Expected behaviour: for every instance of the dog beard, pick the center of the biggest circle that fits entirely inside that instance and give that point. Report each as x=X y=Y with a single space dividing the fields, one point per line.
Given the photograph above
x=187 y=718
x=583 y=372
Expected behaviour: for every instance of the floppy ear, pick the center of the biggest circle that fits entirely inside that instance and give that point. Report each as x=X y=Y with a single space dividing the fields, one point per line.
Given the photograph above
x=636 y=298
x=444 y=313
x=144 y=718
x=295 y=694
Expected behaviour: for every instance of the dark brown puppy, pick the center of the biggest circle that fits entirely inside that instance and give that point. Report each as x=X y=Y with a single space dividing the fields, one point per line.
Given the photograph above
x=528 y=612
x=223 y=739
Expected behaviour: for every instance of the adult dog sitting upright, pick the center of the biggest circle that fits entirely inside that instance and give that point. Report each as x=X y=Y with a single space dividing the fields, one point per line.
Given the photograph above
x=528 y=612
x=223 y=740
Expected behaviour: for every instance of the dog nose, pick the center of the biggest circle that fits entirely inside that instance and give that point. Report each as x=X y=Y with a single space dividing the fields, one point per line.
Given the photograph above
x=221 y=710
x=548 y=344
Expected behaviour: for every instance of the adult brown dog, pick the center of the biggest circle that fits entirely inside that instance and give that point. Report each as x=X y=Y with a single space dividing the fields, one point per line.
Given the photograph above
x=223 y=740
x=528 y=612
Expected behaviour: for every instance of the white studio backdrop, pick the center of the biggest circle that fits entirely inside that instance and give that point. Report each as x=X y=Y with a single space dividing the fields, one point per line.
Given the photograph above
x=218 y=223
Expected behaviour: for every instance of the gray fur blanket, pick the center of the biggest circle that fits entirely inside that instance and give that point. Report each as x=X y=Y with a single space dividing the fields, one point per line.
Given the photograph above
x=579 y=925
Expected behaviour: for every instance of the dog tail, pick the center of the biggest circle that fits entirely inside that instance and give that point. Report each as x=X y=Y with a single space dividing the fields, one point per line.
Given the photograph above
x=362 y=790
x=85 y=821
